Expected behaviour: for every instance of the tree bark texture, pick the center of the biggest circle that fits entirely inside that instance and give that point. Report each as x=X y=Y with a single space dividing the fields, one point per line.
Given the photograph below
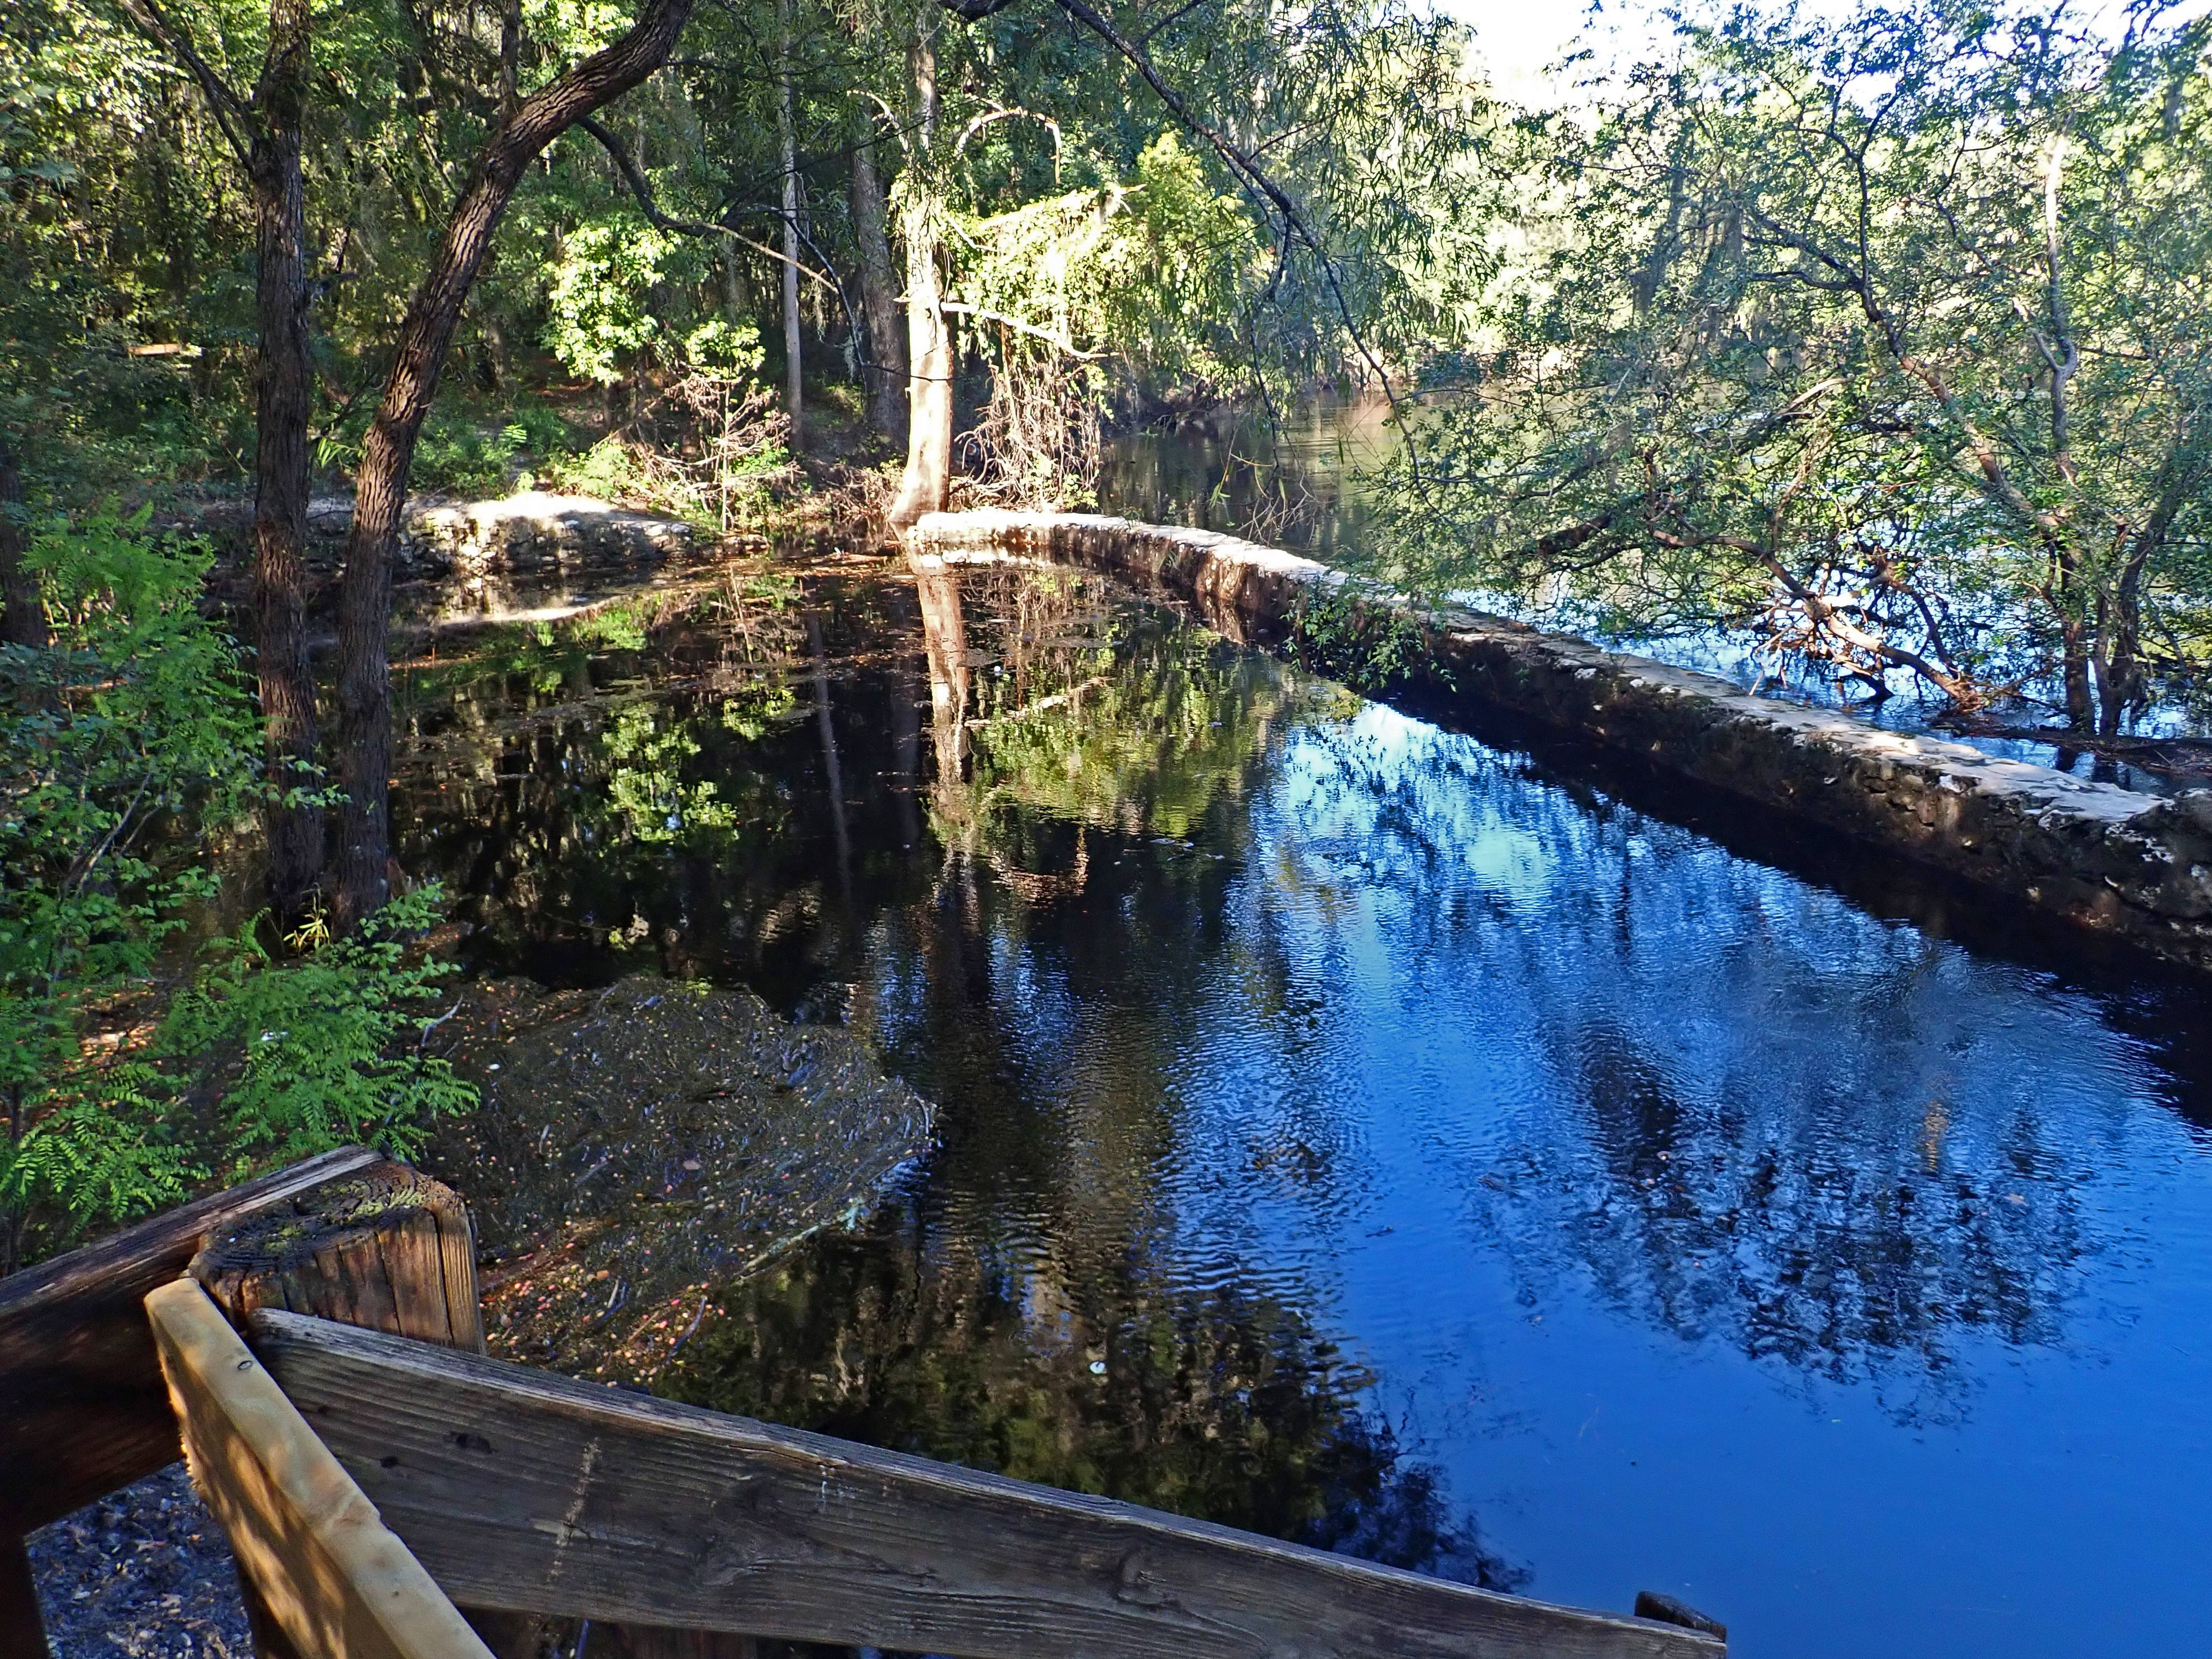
x=24 y=622
x=281 y=393
x=361 y=881
x=879 y=298
x=929 y=341
x=786 y=136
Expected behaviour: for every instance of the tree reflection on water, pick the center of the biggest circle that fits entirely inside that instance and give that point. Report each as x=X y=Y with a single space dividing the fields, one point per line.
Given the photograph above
x=1220 y=1403
x=1205 y=962
x=1766 y=1120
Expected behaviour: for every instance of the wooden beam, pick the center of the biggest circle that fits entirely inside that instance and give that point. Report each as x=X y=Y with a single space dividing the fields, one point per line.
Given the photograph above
x=83 y=1409
x=521 y=1489
x=331 y=1575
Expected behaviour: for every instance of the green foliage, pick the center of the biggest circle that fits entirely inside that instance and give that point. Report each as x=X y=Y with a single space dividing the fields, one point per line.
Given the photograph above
x=129 y=752
x=125 y=227
x=754 y=711
x=1355 y=632
x=134 y=721
x=1886 y=335
x=312 y=1054
x=618 y=627
x=1156 y=272
x=647 y=792
x=600 y=305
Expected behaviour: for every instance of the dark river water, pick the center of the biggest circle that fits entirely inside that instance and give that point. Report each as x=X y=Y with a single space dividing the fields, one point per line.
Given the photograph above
x=1418 y=1142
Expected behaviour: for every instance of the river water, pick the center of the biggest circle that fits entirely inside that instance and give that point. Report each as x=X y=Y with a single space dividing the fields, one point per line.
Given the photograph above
x=1419 y=1141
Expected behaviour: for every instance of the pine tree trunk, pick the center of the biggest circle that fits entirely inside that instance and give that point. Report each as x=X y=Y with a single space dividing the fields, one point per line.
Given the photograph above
x=887 y=373
x=786 y=136
x=281 y=393
x=929 y=341
x=361 y=882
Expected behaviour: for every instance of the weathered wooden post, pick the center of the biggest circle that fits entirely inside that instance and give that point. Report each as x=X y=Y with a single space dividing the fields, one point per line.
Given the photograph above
x=388 y=1248
x=393 y=1250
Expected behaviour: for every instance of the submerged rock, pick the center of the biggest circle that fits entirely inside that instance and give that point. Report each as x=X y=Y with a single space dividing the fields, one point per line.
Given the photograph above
x=639 y=1149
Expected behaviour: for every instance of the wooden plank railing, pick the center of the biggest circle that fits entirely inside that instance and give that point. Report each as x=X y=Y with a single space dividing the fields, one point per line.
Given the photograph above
x=523 y=1490
x=679 y=1534
x=82 y=1408
x=333 y=1579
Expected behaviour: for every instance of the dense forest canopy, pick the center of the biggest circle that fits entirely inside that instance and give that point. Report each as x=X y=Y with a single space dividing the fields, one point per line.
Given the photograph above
x=1881 y=331
x=1886 y=333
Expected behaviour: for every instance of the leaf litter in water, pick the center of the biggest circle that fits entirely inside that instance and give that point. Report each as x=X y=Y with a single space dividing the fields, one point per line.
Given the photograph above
x=642 y=1148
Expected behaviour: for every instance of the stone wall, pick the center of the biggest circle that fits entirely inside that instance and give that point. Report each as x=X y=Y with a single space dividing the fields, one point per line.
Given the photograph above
x=2134 y=865
x=531 y=534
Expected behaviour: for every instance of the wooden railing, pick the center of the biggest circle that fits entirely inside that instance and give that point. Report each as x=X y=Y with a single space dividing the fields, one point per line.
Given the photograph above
x=82 y=1408
x=370 y=1479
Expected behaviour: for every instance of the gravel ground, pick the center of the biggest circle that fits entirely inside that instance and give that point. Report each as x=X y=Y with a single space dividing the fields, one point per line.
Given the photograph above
x=144 y=1572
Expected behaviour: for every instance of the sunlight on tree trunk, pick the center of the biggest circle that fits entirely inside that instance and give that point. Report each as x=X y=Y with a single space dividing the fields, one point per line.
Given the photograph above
x=929 y=343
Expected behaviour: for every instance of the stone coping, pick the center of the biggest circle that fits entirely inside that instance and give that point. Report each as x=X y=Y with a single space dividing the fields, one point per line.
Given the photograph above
x=2127 y=864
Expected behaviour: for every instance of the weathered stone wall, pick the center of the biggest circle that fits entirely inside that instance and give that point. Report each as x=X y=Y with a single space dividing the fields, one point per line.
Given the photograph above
x=2134 y=865
x=530 y=534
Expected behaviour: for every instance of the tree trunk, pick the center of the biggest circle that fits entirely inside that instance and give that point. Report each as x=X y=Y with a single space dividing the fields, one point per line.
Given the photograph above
x=787 y=136
x=295 y=831
x=2062 y=592
x=24 y=622
x=879 y=298
x=362 y=883
x=2120 y=648
x=929 y=344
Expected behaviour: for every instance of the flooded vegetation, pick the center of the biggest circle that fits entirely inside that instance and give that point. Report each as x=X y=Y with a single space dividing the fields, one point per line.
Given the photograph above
x=1419 y=1142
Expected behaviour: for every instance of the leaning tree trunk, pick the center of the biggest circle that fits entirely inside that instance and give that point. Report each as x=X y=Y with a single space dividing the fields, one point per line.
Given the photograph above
x=787 y=137
x=929 y=343
x=879 y=297
x=363 y=858
x=295 y=828
x=24 y=622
